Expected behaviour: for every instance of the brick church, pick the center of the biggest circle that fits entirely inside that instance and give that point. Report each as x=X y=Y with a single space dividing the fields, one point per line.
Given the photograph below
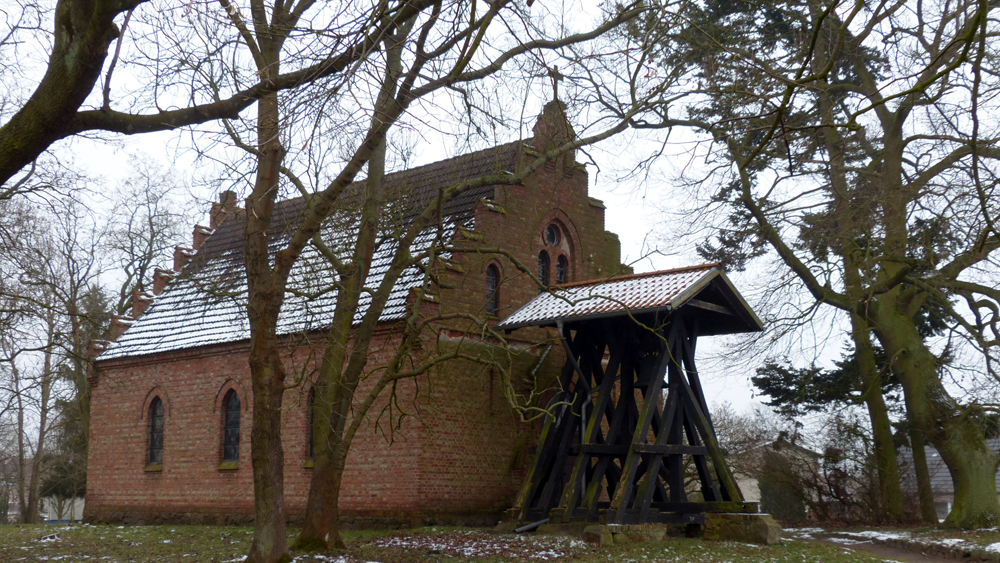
x=171 y=394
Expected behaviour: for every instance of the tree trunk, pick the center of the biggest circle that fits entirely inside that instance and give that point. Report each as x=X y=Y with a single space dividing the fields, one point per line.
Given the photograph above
x=928 y=511
x=36 y=462
x=321 y=529
x=79 y=369
x=264 y=300
x=890 y=496
x=959 y=441
x=22 y=477
x=322 y=511
x=270 y=543
x=337 y=382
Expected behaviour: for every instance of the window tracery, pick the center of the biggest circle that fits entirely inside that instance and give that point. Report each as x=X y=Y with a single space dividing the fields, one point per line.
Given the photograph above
x=156 y=432
x=543 y=270
x=492 y=289
x=231 y=427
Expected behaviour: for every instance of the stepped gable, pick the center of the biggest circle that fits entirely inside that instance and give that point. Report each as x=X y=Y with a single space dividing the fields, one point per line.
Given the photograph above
x=206 y=303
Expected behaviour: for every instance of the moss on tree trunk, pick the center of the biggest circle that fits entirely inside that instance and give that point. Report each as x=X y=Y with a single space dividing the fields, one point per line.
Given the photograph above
x=947 y=424
x=890 y=496
x=925 y=495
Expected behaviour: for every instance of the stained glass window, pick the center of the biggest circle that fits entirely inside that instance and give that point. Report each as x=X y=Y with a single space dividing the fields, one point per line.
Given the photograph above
x=312 y=418
x=492 y=289
x=231 y=427
x=543 y=270
x=562 y=269
x=156 y=432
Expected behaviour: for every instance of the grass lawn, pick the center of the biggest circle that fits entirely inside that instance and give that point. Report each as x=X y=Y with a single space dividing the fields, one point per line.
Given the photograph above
x=183 y=544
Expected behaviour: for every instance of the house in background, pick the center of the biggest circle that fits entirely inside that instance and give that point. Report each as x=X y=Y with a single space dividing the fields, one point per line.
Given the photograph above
x=172 y=398
x=774 y=475
x=51 y=509
x=941 y=484
x=61 y=511
x=9 y=510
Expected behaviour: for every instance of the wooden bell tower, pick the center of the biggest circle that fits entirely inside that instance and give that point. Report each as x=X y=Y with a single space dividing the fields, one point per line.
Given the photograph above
x=629 y=438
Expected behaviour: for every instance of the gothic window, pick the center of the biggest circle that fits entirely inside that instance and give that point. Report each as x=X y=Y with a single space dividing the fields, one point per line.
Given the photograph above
x=156 y=432
x=231 y=427
x=312 y=418
x=492 y=289
x=562 y=269
x=543 y=270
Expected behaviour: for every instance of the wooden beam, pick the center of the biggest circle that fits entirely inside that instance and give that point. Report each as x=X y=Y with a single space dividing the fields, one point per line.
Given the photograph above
x=619 y=416
x=704 y=428
x=710 y=307
x=650 y=403
x=577 y=484
x=661 y=449
x=689 y=507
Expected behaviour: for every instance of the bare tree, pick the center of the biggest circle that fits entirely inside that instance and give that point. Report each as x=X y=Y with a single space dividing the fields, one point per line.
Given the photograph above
x=143 y=228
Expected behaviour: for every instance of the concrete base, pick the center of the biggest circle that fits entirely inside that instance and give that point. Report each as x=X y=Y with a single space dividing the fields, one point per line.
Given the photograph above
x=749 y=528
x=620 y=534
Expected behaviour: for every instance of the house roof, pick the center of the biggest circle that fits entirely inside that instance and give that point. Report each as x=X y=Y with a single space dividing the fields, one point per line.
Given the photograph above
x=206 y=303
x=941 y=482
x=704 y=287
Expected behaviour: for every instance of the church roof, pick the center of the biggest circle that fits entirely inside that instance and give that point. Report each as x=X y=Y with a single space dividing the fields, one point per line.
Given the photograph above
x=206 y=303
x=704 y=287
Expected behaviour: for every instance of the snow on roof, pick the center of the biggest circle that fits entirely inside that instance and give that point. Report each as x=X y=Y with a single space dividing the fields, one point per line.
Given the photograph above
x=631 y=295
x=206 y=304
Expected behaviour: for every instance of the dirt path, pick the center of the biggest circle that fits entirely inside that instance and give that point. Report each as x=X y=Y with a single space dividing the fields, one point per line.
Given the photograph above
x=880 y=550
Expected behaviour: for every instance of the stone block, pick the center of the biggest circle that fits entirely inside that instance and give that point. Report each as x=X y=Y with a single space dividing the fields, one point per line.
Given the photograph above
x=749 y=528
x=573 y=529
x=598 y=535
x=643 y=532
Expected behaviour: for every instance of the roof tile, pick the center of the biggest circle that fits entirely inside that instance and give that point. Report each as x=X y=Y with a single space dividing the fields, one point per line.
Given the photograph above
x=632 y=293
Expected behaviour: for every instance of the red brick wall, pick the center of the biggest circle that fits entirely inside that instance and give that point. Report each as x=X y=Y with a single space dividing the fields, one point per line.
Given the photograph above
x=454 y=454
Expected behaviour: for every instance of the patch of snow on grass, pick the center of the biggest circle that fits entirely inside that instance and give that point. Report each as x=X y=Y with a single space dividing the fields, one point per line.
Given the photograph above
x=950 y=542
x=876 y=535
x=801 y=533
x=475 y=544
x=323 y=559
x=847 y=541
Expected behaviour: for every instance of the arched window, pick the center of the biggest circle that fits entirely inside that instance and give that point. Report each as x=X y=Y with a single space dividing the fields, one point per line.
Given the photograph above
x=156 y=432
x=562 y=269
x=492 y=289
x=312 y=418
x=543 y=270
x=231 y=427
